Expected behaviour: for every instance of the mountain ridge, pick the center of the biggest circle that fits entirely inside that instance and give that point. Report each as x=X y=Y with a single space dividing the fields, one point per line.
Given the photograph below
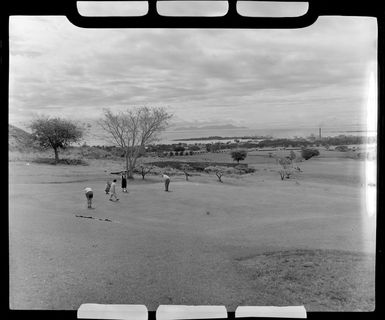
x=19 y=138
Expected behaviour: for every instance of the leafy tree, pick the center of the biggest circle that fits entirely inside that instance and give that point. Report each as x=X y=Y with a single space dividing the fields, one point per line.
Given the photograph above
x=239 y=155
x=55 y=133
x=133 y=129
x=341 y=148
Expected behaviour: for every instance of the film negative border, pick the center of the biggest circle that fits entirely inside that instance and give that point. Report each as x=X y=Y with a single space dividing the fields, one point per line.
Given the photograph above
x=231 y=20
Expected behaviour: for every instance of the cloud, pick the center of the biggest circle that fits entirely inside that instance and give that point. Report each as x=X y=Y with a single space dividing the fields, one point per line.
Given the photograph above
x=254 y=77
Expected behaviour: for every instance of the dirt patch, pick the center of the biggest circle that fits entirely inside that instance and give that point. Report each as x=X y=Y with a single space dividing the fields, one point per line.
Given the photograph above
x=322 y=280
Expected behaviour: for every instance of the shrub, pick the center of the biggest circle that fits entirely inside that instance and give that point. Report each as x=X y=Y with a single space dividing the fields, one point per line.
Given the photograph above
x=242 y=169
x=61 y=161
x=309 y=153
x=179 y=149
x=194 y=148
x=342 y=148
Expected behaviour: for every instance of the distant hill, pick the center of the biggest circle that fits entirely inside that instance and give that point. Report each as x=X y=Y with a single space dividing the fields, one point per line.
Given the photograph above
x=210 y=127
x=18 y=138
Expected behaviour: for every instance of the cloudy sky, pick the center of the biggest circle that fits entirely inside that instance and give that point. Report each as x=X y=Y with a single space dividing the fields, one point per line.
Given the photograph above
x=316 y=76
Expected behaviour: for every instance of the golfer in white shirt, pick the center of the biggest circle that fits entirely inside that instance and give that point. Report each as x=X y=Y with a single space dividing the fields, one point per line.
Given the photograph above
x=113 y=191
x=89 y=196
x=167 y=180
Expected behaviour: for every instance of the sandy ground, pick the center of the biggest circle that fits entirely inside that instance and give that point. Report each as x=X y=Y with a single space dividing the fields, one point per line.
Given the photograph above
x=186 y=246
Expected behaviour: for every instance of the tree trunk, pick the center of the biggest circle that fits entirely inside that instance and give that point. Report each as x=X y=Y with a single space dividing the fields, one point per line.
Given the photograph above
x=56 y=155
x=132 y=167
x=129 y=166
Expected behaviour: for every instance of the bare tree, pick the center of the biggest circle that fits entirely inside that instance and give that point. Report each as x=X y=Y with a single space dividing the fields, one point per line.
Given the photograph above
x=133 y=129
x=219 y=174
x=145 y=169
x=185 y=169
x=218 y=170
x=287 y=167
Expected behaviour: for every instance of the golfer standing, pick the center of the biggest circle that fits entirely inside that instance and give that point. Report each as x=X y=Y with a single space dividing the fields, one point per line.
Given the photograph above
x=107 y=188
x=166 y=179
x=113 y=191
x=89 y=196
x=124 y=182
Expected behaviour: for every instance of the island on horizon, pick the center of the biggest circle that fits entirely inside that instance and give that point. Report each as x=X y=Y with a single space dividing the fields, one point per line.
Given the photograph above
x=226 y=138
x=210 y=127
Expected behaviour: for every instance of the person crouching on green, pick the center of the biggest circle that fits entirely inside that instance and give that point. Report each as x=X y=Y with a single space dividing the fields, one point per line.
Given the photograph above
x=89 y=196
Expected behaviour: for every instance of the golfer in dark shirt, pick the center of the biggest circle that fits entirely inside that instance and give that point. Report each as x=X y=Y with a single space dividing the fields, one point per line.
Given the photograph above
x=124 y=183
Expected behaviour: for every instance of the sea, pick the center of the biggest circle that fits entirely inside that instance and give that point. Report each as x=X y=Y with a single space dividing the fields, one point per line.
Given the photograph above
x=177 y=136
